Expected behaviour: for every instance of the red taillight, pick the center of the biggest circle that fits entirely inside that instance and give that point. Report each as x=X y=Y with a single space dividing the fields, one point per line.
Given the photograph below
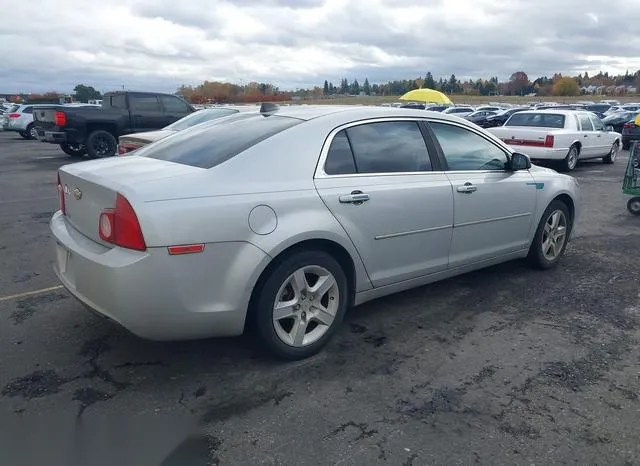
x=61 y=196
x=128 y=147
x=61 y=119
x=14 y=115
x=548 y=141
x=120 y=226
x=629 y=125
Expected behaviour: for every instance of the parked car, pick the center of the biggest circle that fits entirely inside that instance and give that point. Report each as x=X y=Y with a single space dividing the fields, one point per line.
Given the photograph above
x=562 y=136
x=132 y=142
x=490 y=108
x=280 y=220
x=501 y=117
x=95 y=130
x=630 y=133
x=19 y=118
x=618 y=119
x=479 y=117
x=459 y=110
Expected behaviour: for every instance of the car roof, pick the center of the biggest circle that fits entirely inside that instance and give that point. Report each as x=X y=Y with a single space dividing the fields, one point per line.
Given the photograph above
x=346 y=113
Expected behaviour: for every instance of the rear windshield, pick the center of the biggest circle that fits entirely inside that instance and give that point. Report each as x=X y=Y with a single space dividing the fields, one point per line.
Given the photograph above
x=211 y=143
x=200 y=116
x=539 y=120
x=13 y=108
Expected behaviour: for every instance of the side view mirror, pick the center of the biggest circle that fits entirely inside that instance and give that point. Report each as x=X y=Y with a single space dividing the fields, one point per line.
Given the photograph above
x=608 y=128
x=520 y=161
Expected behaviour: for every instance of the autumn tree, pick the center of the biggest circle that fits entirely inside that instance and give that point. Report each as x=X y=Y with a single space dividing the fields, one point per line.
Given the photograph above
x=566 y=87
x=519 y=83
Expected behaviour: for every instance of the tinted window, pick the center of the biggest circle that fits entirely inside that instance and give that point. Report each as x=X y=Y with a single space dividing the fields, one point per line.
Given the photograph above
x=213 y=142
x=597 y=124
x=200 y=116
x=540 y=120
x=173 y=104
x=585 y=122
x=390 y=147
x=145 y=103
x=340 y=158
x=27 y=110
x=465 y=150
x=115 y=101
x=13 y=108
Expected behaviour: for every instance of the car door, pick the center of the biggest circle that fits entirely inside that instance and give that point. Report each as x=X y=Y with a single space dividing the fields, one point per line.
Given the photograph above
x=174 y=108
x=603 y=140
x=146 y=112
x=493 y=206
x=378 y=180
x=588 y=136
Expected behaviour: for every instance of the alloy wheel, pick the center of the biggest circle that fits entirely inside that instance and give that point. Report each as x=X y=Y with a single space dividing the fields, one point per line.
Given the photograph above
x=306 y=305
x=554 y=235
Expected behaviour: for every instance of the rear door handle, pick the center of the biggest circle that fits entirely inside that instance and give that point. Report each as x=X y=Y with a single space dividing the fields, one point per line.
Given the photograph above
x=356 y=197
x=467 y=188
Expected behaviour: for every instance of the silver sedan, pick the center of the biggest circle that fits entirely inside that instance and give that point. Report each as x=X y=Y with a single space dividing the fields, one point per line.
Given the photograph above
x=280 y=220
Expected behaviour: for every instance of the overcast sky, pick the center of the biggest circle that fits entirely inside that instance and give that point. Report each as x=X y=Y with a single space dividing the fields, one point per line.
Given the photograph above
x=160 y=44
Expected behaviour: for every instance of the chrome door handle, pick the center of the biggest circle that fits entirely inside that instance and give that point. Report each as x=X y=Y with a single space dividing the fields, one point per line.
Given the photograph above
x=356 y=197
x=467 y=188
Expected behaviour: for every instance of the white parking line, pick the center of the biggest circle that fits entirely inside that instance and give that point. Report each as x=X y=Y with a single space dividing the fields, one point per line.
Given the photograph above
x=30 y=293
x=49 y=157
x=30 y=199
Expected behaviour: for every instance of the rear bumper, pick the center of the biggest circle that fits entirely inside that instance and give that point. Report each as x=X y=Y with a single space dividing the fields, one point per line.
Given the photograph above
x=541 y=153
x=56 y=137
x=154 y=295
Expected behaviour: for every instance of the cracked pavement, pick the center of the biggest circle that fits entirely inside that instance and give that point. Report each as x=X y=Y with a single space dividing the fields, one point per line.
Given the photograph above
x=502 y=366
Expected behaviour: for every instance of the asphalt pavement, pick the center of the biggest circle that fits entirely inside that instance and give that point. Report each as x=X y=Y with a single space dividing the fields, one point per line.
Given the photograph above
x=503 y=366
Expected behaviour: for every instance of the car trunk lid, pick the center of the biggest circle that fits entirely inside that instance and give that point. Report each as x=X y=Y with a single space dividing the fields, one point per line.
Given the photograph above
x=523 y=136
x=91 y=187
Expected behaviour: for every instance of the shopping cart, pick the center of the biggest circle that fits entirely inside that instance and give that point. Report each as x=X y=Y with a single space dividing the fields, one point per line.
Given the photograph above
x=631 y=182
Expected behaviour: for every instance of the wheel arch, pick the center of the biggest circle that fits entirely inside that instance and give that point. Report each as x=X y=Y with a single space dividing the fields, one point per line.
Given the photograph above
x=332 y=247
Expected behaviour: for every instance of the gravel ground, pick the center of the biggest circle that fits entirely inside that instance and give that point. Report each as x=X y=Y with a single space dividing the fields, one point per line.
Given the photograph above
x=502 y=366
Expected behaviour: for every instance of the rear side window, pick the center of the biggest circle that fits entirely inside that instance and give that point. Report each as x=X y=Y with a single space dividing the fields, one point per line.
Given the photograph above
x=27 y=110
x=538 y=120
x=389 y=147
x=115 y=101
x=585 y=122
x=214 y=142
x=145 y=103
x=340 y=158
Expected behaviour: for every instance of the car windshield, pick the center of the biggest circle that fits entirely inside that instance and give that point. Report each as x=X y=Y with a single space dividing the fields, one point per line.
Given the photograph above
x=214 y=142
x=540 y=120
x=200 y=117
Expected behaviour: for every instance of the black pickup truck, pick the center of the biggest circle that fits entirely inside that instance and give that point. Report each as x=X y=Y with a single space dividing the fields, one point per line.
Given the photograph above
x=95 y=130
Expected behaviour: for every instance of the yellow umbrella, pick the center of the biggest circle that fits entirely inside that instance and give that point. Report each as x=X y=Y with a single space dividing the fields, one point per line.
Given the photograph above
x=427 y=95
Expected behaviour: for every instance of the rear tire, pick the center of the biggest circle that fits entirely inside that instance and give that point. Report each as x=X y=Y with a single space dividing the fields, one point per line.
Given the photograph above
x=32 y=132
x=633 y=205
x=626 y=145
x=74 y=150
x=283 y=285
x=101 y=143
x=613 y=154
x=552 y=236
x=571 y=159
x=24 y=135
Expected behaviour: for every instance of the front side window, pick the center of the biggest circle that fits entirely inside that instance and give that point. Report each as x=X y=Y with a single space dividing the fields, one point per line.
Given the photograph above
x=466 y=150
x=173 y=104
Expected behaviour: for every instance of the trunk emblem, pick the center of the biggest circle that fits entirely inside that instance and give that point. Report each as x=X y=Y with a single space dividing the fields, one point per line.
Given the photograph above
x=77 y=193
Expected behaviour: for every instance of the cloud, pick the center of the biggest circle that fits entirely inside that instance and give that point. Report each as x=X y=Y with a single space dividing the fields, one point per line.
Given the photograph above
x=160 y=44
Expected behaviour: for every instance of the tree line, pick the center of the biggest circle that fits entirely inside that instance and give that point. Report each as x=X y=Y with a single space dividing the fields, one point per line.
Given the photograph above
x=518 y=83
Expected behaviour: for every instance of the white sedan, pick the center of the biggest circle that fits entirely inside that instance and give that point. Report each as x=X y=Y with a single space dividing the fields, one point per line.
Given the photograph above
x=286 y=217
x=562 y=136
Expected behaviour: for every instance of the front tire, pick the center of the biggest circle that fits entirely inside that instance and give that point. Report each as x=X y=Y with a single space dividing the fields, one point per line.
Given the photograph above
x=24 y=135
x=32 y=131
x=299 y=306
x=633 y=205
x=552 y=236
x=74 y=150
x=101 y=143
x=571 y=159
x=613 y=153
